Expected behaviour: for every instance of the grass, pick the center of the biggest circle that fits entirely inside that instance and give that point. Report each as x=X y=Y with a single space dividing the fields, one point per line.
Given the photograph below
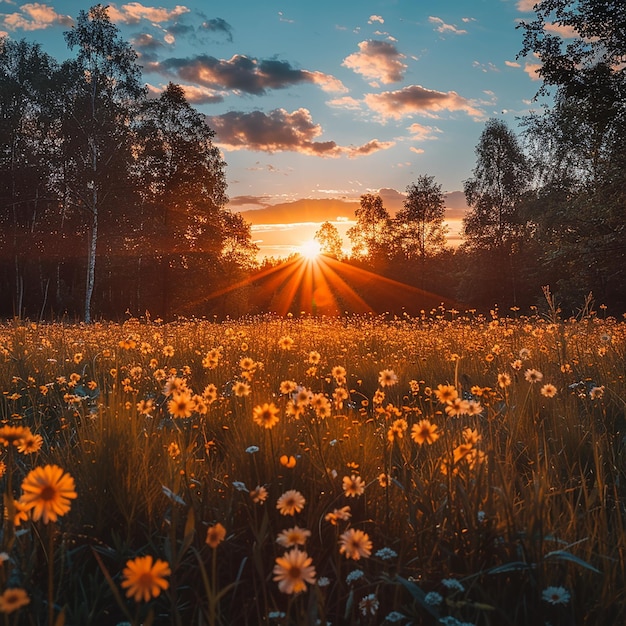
x=513 y=515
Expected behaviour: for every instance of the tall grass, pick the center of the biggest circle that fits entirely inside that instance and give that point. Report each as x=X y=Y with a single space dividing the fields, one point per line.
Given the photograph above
x=514 y=515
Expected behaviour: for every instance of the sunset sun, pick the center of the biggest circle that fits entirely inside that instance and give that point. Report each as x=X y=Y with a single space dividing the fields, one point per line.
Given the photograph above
x=310 y=249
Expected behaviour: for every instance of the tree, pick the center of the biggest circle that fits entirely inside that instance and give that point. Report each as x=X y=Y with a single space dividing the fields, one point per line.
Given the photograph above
x=501 y=177
x=183 y=188
x=419 y=224
x=580 y=143
x=103 y=84
x=330 y=240
x=370 y=234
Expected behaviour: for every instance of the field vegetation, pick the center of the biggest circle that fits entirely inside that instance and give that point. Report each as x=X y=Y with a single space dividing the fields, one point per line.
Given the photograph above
x=441 y=469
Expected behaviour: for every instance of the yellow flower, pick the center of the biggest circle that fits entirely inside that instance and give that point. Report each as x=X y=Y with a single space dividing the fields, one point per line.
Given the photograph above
x=215 y=535
x=387 y=378
x=265 y=415
x=291 y=502
x=533 y=376
x=47 y=491
x=181 y=405
x=20 y=513
x=241 y=389
x=287 y=387
x=446 y=393
x=144 y=579
x=355 y=544
x=13 y=599
x=13 y=435
x=288 y=461
x=259 y=495
x=285 y=343
x=293 y=571
x=548 y=390
x=335 y=515
x=424 y=432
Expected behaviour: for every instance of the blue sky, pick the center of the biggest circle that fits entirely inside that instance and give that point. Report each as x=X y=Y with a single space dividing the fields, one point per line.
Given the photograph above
x=325 y=99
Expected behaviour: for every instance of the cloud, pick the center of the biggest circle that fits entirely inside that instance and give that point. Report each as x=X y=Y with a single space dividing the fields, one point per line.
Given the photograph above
x=532 y=70
x=526 y=6
x=281 y=131
x=35 y=16
x=377 y=60
x=146 y=42
x=345 y=102
x=193 y=94
x=134 y=12
x=512 y=64
x=218 y=25
x=245 y=200
x=416 y=150
x=562 y=30
x=243 y=74
x=375 y=18
x=444 y=28
x=417 y=99
x=419 y=132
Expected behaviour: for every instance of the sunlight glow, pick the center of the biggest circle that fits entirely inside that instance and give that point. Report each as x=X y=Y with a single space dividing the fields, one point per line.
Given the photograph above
x=310 y=249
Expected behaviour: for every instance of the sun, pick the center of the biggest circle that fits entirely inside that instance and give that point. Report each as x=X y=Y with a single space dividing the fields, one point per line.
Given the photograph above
x=310 y=249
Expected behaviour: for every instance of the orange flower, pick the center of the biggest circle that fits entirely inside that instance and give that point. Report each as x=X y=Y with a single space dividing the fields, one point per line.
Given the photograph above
x=144 y=579
x=424 y=432
x=215 y=535
x=288 y=461
x=291 y=502
x=295 y=536
x=265 y=415
x=48 y=491
x=353 y=486
x=355 y=544
x=13 y=599
x=293 y=571
x=446 y=393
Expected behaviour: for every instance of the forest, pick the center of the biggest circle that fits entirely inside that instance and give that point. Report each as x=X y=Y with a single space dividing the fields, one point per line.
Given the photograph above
x=112 y=201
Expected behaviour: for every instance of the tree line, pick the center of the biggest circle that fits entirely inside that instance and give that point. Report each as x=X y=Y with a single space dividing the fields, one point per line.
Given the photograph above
x=547 y=206
x=111 y=200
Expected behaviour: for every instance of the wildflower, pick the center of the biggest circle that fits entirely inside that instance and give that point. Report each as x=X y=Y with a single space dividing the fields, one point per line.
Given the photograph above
x=414 y=386
x=471 y=436
x=145 y=579
x=173 y=450
x=199 y=406
x=394 y=617
x=291 y=502
x=168 y=350
x=215 y=535
x=31 y=443
x=452 y=584
x=285 y=343
x=293 y=571
x=265 y=415
x=302 y=397
x=397 y=429
x=47 y=491
x=241 y=389
x=556 y=595
x=457 y=407
x=339 y=374
x=386 y=554
x=533 y=376
x=353 y=486
x=287 y=387
x=21 y=513
x=461 y=451
x=13 y=599
x=288 y=461
x=259 y=495
x=369 y=605
x=354 y=576
x=145 y=407
x=335 y=515
x=295 y=536
x=314 y=357
x=180 y=406
x=596 y=393
x=446 y=393
x=387 y=378
x=548 y=390
x=432 y=598
x=322 y=581
x=355 y=544
x=13 y=435
x=252 y=449
x=384 y=480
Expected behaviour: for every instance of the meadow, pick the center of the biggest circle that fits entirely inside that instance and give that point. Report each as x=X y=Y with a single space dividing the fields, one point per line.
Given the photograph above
x=449 y=468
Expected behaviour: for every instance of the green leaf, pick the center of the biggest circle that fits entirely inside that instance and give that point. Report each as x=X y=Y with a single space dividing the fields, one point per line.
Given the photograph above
x=563 y=555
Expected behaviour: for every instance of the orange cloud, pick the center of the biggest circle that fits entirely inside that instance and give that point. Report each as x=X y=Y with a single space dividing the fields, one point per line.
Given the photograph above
x=419 y=132
x=377 y=60
x=417 y=99
x=133 y=12
x=281 y=131
x=532 y=69
x=526 y=5
x=35 y=16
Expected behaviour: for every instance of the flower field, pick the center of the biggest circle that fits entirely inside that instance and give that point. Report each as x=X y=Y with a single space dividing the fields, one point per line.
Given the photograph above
x=449 y=469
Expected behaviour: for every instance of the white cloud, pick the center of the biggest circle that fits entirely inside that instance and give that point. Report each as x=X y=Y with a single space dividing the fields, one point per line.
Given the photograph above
x=444 y=28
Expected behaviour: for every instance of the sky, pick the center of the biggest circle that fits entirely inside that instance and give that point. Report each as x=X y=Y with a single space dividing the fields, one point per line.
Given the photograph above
x=324 y=99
